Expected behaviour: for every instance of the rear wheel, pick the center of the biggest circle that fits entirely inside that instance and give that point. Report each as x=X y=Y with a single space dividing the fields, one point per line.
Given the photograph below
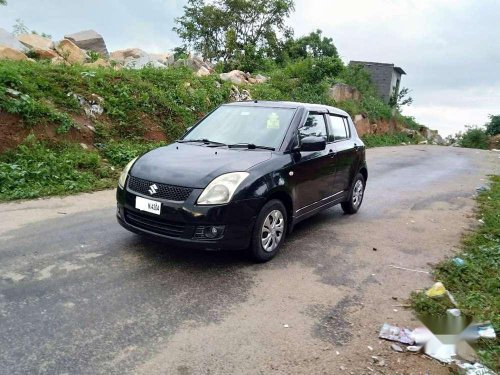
x=269 y=231
x=351 y=206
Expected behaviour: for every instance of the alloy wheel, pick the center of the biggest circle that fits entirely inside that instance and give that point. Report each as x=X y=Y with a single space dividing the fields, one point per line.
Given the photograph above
x=357 y=193
x=272 y=230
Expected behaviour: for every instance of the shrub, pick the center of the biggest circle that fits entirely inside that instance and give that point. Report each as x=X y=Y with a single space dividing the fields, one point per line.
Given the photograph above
x=474 y=137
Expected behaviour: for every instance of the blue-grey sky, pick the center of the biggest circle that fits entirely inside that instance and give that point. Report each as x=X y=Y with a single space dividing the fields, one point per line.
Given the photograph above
x=449 y=48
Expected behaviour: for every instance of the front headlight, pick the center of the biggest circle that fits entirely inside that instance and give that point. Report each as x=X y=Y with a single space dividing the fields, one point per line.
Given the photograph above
x=123 y=176
x=222 y=188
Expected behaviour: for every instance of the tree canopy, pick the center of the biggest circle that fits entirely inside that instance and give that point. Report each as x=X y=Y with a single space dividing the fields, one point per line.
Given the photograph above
x=493 y=127
x=224 y=30
x=312 y=45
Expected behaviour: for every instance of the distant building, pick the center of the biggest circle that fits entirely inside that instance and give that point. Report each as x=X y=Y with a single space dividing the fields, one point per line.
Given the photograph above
x=385 y=77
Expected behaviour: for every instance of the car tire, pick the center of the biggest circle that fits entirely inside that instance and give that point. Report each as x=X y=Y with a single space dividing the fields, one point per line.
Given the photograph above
x=272 y=220
x=356 y=194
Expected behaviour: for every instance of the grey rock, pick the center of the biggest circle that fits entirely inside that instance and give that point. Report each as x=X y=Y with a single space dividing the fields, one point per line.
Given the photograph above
x=341 y=92
x=89 y=40
x=9 y=40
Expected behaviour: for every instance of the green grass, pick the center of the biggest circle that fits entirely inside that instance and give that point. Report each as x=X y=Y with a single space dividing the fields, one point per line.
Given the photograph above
x=171 y=98
x=389 y=139
x=476 y=284
x=35 y=169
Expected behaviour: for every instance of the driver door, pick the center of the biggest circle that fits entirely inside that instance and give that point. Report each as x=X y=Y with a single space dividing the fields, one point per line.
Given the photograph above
x=313 y=172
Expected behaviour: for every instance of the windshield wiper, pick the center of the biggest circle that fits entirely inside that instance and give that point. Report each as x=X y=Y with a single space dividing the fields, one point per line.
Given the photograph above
x=250 y=146
x=204 y=140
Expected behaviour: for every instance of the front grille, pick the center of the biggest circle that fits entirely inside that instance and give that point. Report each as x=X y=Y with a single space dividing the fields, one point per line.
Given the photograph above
x=168 y=192
x=155 y=225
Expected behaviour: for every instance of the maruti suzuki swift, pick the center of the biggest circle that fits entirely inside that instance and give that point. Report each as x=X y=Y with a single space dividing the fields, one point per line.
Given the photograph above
x=244 y=176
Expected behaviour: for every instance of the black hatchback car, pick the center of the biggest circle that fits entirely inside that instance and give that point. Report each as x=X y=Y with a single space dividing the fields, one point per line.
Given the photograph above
x=244 y=175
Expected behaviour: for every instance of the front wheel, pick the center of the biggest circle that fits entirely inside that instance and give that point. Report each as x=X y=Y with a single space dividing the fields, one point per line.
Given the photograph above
x=269 y=231
x=351 y=206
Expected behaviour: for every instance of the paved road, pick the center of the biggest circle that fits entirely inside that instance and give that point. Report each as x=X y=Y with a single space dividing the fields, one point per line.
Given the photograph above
x=78 y=294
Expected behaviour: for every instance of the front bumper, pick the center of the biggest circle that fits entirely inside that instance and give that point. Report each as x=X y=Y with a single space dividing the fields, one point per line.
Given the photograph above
x=178 y=222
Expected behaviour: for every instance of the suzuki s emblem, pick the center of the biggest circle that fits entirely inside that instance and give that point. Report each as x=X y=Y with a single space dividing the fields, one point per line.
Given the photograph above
x=152 y=189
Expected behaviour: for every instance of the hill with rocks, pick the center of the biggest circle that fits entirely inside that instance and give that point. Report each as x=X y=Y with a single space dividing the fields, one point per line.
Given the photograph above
x=74 y=97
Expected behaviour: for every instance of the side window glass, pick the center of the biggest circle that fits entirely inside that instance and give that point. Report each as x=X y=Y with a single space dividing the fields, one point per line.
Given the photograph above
x=314 y=127
x=338 y=128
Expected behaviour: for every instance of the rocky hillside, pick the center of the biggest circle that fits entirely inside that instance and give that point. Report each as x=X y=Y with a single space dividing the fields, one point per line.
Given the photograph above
x=72 y=113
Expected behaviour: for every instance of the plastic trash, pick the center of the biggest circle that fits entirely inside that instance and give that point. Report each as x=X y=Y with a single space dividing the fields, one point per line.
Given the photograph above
x=453 y=312
x=414 y=348
x=394 y=333
x=437 y=290
x=473 y=369
x=486 y=331
x=458 y=261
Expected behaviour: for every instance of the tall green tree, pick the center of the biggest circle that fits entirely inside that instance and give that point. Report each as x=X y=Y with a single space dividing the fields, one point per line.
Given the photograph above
x=223 y=30
x=3 y=2
x=312 y=45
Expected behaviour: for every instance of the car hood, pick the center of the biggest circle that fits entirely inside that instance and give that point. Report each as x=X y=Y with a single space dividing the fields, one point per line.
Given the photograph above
x=194 y=166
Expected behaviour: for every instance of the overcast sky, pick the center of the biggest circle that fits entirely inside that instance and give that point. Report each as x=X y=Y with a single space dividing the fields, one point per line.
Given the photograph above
x=450 y=49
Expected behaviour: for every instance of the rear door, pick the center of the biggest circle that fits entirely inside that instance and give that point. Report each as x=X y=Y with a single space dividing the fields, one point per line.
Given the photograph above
x=313 y=172
x=345 y=153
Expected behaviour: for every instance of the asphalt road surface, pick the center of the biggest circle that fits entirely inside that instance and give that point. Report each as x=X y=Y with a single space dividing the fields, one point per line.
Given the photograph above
x=80 y=295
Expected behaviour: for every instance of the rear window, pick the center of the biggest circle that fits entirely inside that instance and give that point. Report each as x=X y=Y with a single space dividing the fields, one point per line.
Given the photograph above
x=338 y=128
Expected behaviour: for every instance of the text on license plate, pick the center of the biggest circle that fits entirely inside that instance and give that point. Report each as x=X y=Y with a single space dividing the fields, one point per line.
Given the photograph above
x=148 y=205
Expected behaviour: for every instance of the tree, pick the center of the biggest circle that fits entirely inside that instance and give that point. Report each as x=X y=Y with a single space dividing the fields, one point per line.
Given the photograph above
x=312 y=45
x=19 y=27
x=222 y=30
x=3 y=2
x=493 y=127
x=400 y=99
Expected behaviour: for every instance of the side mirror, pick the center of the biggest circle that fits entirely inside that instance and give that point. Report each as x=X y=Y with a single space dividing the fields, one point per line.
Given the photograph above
x=308 y=144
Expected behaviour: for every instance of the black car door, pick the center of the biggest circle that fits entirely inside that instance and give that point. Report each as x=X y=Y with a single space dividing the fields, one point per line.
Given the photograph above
x=313 y=172
x=345 y=152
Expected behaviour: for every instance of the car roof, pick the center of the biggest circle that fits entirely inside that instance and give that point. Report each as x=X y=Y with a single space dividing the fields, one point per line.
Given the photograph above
x=294 y=105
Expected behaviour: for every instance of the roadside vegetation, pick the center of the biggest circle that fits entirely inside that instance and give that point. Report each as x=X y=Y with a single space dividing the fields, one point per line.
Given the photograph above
x=476 y=283
x=484 y=137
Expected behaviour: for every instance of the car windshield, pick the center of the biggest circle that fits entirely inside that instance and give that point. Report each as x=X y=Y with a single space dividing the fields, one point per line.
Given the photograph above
x=231 y=125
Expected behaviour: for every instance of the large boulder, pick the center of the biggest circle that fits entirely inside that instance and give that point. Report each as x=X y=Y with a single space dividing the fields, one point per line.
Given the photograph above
x=136 y=58
x=194 y=63
x=235 y=76
x=164 y=58
x=9 y=40
x=99 y=63
x=202 y=72
x=45 y=53
x=89 y=40
x=36 y=42
x=71 y=52
x=7 y=53
x=341 y=92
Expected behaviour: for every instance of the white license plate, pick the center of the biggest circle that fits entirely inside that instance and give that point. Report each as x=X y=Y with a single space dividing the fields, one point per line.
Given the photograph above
x=148 y=205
